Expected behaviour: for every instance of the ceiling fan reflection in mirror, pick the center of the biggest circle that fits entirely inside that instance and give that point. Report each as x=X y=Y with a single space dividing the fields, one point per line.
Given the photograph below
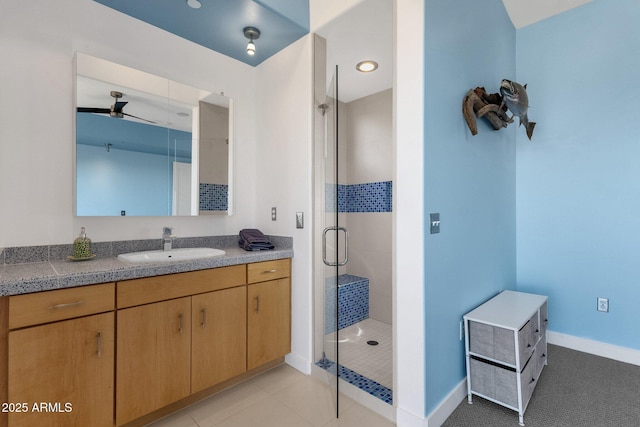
x=115 y=110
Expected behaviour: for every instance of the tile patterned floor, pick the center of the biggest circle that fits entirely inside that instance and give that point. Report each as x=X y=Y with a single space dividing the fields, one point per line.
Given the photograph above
x=282 y=397
x=373 y=362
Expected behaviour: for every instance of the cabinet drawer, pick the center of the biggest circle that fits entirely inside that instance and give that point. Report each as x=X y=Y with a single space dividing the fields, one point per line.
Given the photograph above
x=543 y=317
x=61 y=304
x=540 y=356
x=501 y=384
x=499 y=343
x=160 y=288
x=268 y=270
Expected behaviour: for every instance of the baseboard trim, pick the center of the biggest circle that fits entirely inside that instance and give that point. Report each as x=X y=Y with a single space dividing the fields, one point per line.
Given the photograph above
x=439 y=415
x=298 y=362
x=610 y=351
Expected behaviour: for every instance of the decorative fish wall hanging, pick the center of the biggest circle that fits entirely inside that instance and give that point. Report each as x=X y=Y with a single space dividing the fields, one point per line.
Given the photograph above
x=514 y=96
x=493 y=107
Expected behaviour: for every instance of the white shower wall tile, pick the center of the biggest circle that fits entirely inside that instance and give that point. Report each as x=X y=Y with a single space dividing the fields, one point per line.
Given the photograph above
x=380 y=307
x=369 y=133
x=370 y=255
x=372 y=229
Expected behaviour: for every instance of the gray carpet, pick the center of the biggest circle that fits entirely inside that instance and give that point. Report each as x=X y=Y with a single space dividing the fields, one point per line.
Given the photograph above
x=574 y=389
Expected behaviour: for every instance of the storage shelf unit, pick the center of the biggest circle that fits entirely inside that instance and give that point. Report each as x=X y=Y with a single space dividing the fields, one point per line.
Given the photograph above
x=506 y=348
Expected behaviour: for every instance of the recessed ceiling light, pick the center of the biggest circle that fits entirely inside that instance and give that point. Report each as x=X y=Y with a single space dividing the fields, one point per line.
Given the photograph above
x=367 y=66
x=183 y=114
x=195 y=4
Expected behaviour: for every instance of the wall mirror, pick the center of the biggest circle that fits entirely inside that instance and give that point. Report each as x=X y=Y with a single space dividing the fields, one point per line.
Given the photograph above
x=148 y=146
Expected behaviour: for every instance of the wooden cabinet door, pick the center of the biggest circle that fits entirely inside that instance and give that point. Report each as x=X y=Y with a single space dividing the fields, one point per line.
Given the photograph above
x=153 y=357
x=268 y=321
x=63 y=372
x=219 y=337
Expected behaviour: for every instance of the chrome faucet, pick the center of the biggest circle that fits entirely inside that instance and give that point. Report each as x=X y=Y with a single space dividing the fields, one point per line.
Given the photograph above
x=167 y=238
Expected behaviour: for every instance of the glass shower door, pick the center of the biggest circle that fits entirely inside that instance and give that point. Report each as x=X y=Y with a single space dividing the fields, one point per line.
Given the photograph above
x=330 y=255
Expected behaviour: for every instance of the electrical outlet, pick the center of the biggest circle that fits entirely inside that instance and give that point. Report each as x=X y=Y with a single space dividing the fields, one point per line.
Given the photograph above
x=273 y=214
x=603 y=304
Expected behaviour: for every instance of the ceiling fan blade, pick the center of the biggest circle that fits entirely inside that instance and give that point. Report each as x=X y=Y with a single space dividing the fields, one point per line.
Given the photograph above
x=94 y=110
x=115 y=110
x=139 y=118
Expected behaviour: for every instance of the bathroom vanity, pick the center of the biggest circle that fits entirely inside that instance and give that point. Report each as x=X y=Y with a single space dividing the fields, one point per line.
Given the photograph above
x=127 y=352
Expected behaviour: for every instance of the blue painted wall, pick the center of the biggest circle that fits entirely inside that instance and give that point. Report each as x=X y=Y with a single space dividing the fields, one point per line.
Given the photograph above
x=469 y=180
x=102 y=176
x=99 y=129
x=578 y=181
x=139 y=160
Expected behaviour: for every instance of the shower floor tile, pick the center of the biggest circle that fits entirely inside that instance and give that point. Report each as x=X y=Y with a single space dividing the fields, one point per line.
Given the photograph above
x=371 y=361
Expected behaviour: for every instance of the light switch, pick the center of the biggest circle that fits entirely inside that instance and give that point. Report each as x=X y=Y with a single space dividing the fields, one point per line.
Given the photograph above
x=299 y=220
x=434 y=219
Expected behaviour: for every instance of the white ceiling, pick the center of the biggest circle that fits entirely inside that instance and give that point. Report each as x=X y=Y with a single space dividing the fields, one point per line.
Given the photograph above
x=527 y=12
x=364 y=32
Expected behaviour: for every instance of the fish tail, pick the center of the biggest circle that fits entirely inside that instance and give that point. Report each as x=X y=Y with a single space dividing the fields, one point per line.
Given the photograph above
x=529 y=128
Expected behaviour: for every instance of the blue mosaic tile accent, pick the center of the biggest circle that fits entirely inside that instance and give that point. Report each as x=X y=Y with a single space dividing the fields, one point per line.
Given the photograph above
x=214 y=197
x=363 y=383
x=353 y=301
x=367 y=197
x=343 y=198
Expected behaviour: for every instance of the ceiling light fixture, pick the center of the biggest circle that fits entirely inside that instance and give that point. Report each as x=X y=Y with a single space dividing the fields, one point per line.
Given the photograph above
x=367 y=66
x=252 y=34
x=194 y=4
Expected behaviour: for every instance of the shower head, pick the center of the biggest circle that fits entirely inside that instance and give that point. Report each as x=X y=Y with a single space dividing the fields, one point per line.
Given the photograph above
x=324 y=108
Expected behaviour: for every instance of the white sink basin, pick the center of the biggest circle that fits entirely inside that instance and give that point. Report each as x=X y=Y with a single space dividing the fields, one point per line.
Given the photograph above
x=184 y=254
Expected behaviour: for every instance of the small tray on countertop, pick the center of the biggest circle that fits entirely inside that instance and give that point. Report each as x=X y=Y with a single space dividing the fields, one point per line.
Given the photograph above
x=72 y=258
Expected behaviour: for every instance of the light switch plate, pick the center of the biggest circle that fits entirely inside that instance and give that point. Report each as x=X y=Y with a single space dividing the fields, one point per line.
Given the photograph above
x=299 y=220
x=434 y=220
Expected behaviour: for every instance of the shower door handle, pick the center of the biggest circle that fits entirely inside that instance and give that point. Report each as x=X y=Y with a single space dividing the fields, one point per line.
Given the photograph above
x=346 y=246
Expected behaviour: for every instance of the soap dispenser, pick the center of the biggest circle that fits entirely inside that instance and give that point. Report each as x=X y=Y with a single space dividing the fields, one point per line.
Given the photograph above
x=82 y=246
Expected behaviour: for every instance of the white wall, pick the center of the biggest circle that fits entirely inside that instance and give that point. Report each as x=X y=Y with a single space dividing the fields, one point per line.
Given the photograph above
x=408 y=211
x=283 y=174
x=37 y=43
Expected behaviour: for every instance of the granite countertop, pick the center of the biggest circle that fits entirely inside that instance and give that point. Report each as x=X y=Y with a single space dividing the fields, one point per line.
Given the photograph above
x=28 y=277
